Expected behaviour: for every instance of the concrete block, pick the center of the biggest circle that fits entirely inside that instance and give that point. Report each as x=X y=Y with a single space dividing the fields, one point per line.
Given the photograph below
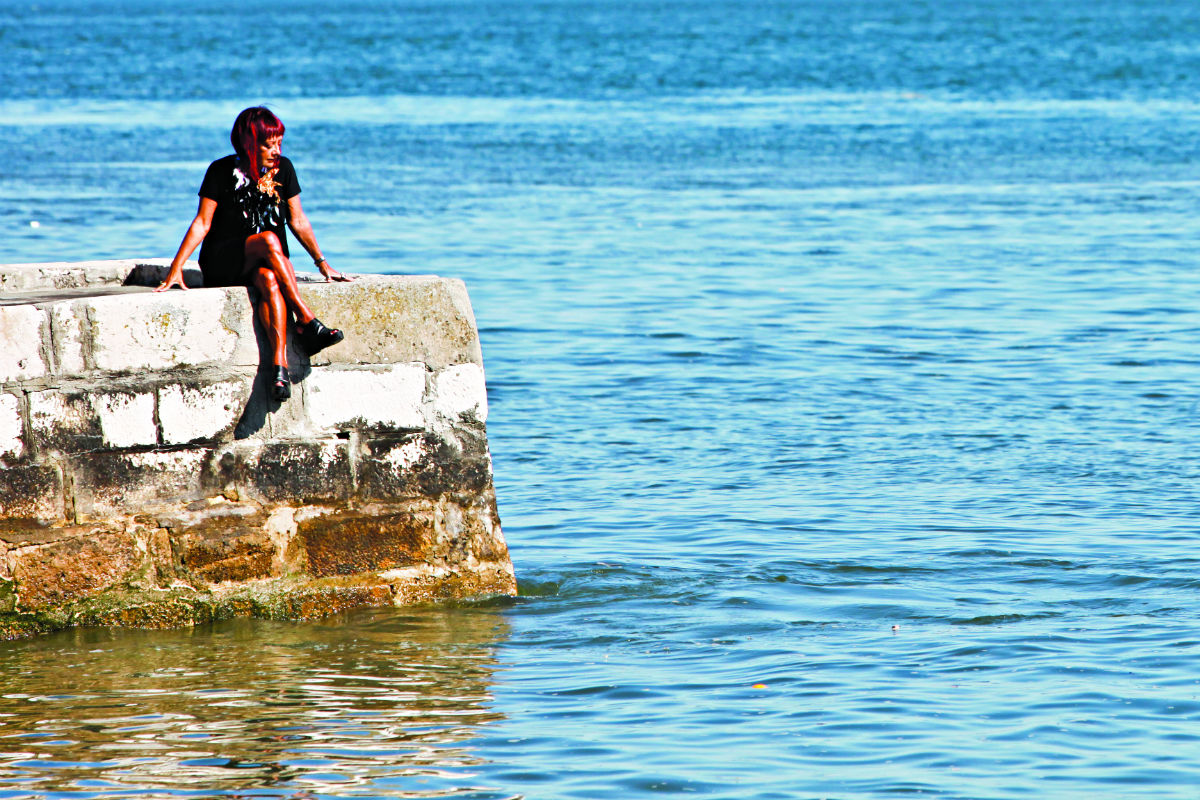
x=64 y=423
x=285 y=471
x=66 y=337
x=33 y=492
x=263 y=418
x=341 y=399
x=58 y=275
x=347 y=543
x=460 y=391
x=418 y=534
x=191 y=413
x=115 y=484
x=81 y=274
x=390 y=470
x=12 y=429
x=232 y=558
x=390 y=321
x=81 y=564
x=420 y=465
x=21 y=343
x=78 y=422
x=225 y=547
x=485 y=540
x=251 y=346
x=126 y=419
x=135 y=333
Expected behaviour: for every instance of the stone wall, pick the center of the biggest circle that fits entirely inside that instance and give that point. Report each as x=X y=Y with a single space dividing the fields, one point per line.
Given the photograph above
x=147 y=478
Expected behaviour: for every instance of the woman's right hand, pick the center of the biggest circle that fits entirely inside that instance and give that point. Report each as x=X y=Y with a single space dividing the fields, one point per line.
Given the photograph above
x=174 y=278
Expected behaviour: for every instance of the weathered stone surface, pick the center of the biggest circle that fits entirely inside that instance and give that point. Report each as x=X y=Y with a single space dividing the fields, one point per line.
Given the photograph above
x=420 y=464
x=126 y=419
x=21 y=343
x=281 y=599
x=134 y=333
x=33 y=492
x=63 y=422
x=346 y=543
x=215 y=540
x=73 y=567
x=424 y=582
x=81 y=422
x=16 y=278
x=387 y=397
x=390 y=469
x=111 y=484
x=190 y=413
x=12 y=428
x=266 y=419
x=162 y=557
x=282 y=471
x=66 y=339
x=473 y=530
x=227 y=549
x=460 y=392
x=147 y=477
x=418 y=319
x=322 y=600
x=458 y=533
x=427 y=534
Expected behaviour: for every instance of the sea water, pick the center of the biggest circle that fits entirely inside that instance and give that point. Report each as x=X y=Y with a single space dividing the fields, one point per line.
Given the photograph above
x=843 y=386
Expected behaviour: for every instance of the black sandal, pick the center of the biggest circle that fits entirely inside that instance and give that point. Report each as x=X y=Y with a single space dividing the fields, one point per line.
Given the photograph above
x=315 y=337
x=281 y=389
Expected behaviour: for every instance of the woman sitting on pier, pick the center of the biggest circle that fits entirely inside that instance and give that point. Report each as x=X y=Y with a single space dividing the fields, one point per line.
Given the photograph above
x=246 y=200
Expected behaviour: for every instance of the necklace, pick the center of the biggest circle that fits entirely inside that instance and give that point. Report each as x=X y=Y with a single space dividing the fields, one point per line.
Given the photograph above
x=266 y=184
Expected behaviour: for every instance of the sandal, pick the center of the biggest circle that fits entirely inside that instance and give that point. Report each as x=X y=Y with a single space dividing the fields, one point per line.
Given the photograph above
x=281 y=389
x=315 y=337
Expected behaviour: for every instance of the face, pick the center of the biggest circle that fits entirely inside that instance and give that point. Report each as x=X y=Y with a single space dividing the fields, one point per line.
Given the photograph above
x=268 y=152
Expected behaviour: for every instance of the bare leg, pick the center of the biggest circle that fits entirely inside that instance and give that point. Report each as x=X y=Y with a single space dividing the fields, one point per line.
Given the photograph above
x=269 y=270
x=272 y=274
x=273 y=312
x=264 y=250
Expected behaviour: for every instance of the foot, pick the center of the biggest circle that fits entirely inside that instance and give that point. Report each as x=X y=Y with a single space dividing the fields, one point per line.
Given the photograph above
x=281 y=388
x=315 y=337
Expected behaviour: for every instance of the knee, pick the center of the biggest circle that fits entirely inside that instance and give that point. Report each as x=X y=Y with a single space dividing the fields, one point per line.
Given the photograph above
x=266 y=282
x=268 y=244
x=272 y=242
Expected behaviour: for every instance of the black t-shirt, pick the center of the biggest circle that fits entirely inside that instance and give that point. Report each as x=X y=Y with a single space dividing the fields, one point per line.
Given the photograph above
x=242 y=211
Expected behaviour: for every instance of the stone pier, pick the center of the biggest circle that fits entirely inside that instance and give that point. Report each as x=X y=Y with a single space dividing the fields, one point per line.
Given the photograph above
x=148 y=479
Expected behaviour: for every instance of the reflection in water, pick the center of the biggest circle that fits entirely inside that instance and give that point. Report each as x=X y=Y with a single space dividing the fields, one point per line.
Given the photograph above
x=377 y=702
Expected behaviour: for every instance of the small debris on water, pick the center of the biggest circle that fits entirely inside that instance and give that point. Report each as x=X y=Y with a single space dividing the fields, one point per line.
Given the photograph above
x=33 y=223
x=759 y=686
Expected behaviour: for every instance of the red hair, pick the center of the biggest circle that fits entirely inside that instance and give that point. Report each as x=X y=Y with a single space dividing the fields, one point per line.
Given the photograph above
x=251 y=128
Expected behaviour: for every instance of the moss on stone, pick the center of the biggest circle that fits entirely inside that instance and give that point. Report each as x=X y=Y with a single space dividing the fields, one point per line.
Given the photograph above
x=8 y=596
x=175 y=608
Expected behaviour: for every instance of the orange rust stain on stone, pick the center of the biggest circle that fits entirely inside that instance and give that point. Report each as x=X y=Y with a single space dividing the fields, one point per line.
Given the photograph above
x=66 y=570
x=344 y=544
x=228 y=548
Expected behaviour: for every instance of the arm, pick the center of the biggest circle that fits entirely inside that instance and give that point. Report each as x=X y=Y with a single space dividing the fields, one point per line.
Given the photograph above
x=302 y=229
x=191 y=240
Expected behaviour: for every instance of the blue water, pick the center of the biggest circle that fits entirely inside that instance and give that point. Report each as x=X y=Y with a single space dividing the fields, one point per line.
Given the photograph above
x=842 y=378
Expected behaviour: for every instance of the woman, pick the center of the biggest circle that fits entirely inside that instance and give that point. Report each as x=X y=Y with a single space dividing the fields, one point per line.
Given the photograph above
x=246 y=200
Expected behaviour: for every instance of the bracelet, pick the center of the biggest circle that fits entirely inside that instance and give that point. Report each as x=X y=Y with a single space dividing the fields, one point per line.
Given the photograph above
x=321 y=260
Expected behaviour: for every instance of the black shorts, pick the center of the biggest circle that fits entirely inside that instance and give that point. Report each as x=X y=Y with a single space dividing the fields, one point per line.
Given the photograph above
x=226 y=265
